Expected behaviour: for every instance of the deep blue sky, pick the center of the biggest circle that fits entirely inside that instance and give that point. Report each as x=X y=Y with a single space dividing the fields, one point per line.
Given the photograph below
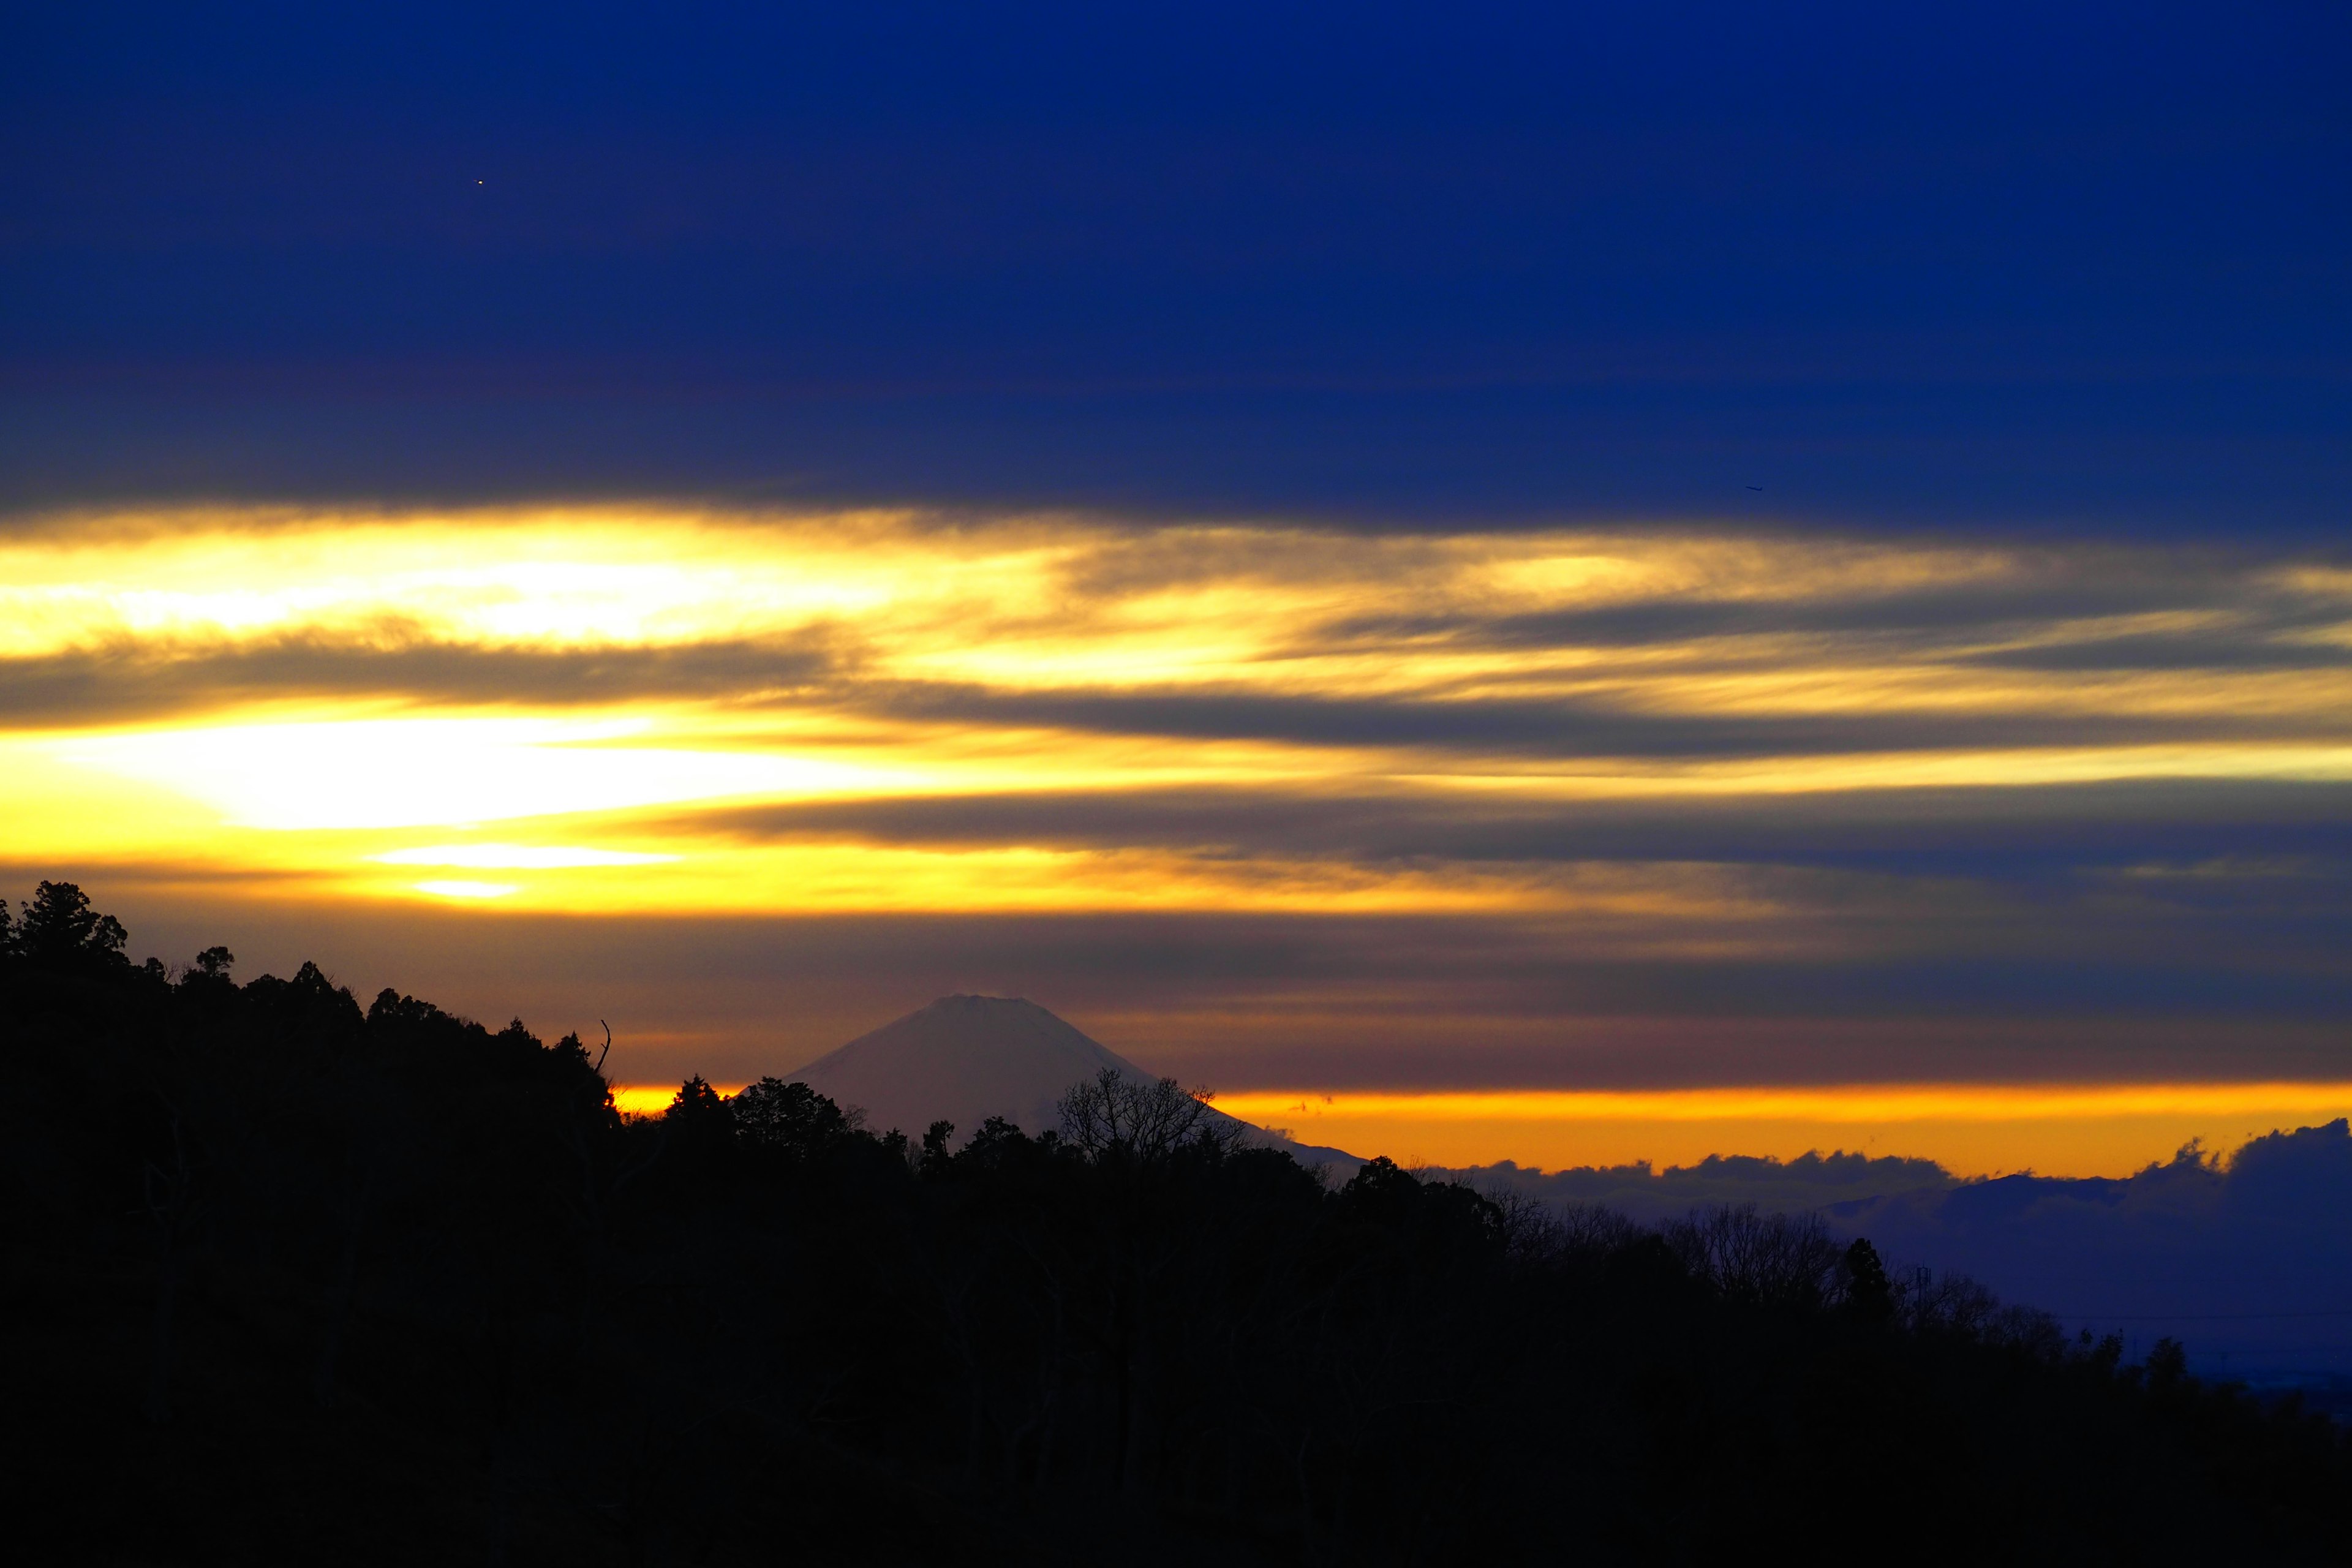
x=1976 y=265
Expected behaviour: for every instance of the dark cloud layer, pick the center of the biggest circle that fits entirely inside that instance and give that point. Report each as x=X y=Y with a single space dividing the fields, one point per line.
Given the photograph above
x=1251 y=1000
x=145 y=680
x=1567 y=728
x=1985 y=265
x=2125 y=456
x=2245 y=1264
x=2059 y=828
x=2247 y=1261
x=2070 y=607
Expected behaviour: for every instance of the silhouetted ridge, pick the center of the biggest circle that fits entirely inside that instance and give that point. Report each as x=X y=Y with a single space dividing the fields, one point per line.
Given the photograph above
x=290 y=1281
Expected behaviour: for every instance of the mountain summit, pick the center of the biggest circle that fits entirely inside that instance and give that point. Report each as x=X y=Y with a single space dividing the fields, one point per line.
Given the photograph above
x=966 y=1058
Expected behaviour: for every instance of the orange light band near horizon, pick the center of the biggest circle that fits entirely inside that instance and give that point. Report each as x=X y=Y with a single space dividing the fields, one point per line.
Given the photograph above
x=1970 y=1129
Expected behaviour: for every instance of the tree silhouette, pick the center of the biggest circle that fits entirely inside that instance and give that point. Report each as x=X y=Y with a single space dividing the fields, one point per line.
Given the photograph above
x=699 y=1117
x=791 y=1118
x=1150 y=1120
x=1869 y=1295
x=406 y=1289
x=59 y=930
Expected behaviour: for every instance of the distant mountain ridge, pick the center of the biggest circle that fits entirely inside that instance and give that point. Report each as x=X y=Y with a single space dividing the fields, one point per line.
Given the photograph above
x=965 y=1058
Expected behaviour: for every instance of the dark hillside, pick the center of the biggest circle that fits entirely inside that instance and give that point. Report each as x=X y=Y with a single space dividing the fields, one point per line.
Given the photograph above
x=292 y=1278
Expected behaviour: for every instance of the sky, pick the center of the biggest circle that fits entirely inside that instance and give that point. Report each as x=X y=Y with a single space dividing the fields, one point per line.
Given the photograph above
x=1571 y=584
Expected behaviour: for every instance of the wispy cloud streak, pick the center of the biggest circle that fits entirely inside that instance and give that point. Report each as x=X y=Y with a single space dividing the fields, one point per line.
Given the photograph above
x=1704 y=773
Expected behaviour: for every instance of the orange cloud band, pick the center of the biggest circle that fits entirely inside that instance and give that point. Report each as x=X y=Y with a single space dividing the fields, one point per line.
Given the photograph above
x=1855 y=1103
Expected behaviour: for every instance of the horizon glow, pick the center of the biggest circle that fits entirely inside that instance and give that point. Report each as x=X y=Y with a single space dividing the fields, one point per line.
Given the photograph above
x=1971 y=1129
x=1656 y=757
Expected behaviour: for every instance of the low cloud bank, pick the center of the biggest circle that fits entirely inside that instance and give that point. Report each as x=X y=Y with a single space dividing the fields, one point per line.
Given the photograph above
x=2247 y=1259
x=1642 y=1192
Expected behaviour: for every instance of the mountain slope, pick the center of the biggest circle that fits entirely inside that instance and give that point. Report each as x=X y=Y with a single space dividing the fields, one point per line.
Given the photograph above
x=966 y=1058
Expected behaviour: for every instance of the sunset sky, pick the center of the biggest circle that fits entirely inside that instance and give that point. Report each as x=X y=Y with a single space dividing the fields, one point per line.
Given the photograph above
x=1678 y=580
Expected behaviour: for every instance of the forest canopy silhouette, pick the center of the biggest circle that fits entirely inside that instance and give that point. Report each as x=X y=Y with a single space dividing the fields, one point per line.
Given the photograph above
x=294 y=1278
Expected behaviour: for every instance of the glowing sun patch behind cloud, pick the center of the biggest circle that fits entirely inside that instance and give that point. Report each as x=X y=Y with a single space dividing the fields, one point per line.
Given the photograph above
x=516 y=856
x=463 y=889
x=410 y=773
